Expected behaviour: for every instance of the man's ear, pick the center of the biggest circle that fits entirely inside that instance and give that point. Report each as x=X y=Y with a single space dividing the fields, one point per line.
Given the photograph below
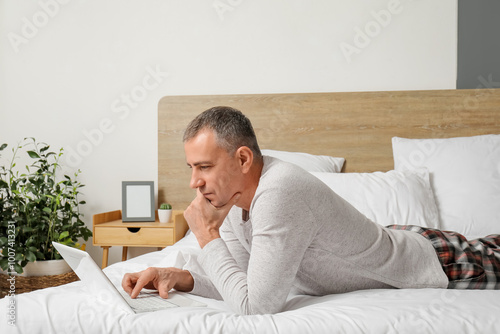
x=245 y=158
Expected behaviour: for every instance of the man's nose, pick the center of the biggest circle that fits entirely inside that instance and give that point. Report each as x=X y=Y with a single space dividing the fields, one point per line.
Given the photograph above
x=196 y=181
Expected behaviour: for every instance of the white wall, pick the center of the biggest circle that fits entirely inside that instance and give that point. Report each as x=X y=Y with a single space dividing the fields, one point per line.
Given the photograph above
x=87 y=75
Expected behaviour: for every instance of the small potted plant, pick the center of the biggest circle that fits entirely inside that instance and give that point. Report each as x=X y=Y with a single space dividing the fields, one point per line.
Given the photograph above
x=165 y=212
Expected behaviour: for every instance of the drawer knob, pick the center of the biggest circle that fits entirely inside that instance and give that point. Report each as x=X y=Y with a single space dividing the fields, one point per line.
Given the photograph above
x=133 y=229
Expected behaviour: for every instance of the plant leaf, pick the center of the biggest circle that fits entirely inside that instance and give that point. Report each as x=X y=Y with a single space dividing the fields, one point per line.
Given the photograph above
x=18 y=268
x=33 y=154
x=31 y=257
x=4 y=264
x=64 y=235
x=27 y=229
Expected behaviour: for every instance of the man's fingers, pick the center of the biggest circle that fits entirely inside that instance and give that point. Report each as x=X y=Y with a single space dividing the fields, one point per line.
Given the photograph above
x=136 y=291
x=143 y=280
x=128 y=282
x=167 y=280
x=161 y=279
x=138 y=281
x=163 y=291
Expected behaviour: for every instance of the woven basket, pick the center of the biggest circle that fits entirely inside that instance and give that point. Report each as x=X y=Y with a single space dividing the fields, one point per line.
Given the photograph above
x=31 y=283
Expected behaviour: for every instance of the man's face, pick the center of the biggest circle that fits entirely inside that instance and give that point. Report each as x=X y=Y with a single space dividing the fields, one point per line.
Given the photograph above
x=214 y=173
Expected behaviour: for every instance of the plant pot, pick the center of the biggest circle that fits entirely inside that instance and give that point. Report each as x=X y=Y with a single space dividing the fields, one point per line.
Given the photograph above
x=164 y=215
x=43 y=268
x=49 y=267
x=36 y=275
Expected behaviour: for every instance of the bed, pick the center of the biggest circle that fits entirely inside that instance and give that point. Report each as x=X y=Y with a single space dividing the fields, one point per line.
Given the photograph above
x=403 y=157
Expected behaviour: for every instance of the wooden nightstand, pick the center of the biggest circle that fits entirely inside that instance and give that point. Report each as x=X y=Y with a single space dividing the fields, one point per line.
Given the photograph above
x=109 y=230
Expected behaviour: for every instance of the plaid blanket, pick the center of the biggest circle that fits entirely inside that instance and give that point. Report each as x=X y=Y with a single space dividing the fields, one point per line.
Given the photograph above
x=469 y=264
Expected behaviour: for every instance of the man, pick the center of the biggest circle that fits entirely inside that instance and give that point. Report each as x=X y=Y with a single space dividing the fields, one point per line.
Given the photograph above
x=284 y=231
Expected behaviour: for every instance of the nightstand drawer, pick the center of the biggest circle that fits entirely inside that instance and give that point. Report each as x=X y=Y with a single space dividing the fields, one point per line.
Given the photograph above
x=109 y=230
x=145 y=236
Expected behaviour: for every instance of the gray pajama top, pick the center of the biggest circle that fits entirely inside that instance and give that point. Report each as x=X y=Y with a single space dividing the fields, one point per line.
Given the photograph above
x=299 y=235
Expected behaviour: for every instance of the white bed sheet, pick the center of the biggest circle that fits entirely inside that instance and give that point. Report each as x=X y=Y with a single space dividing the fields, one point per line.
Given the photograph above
x=70 y=309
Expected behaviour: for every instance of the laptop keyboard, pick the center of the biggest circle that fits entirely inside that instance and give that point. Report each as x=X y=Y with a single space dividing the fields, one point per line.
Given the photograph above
x=147 y=302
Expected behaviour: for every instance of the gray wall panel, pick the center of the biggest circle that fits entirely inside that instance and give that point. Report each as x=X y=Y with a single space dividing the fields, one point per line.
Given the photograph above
x=478 y=44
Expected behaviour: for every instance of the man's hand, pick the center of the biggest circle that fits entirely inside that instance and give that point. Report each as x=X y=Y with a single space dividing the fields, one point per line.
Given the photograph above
x=204 y=219
x=161 y=279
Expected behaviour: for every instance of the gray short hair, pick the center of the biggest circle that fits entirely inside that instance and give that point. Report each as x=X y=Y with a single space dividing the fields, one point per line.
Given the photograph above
x=232 y=129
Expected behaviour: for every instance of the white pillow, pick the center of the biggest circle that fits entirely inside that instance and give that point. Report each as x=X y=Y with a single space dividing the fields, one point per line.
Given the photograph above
x=465 y=177
x=403 y=198
x=309 y=162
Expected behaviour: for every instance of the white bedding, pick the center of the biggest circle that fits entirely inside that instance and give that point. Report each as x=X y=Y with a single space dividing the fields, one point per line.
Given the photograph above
x=70 y=309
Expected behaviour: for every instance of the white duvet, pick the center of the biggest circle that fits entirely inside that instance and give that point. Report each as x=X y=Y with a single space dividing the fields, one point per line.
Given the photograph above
x=71 y=309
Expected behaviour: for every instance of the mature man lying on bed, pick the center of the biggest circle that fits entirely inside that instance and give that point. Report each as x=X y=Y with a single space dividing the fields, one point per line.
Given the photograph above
x=283 y=229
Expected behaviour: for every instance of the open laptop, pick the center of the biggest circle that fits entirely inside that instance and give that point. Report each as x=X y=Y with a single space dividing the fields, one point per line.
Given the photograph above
x=100 y=285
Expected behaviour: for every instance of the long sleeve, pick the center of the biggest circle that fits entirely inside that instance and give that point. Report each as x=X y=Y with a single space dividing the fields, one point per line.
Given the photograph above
x=203 y=286
x=240 y=253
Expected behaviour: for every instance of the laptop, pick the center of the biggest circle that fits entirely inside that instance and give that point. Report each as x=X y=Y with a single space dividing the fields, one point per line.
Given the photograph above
x=100 y=286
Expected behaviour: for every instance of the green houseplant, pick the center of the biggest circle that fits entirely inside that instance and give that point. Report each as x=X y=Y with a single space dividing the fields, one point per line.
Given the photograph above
x=165 y=212
x=37 y=206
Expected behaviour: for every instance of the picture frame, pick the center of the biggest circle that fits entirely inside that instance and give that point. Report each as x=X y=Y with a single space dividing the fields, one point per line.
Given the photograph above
x=138 y=203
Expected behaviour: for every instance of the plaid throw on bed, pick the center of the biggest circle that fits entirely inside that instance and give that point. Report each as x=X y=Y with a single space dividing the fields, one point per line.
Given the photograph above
x=469 y=264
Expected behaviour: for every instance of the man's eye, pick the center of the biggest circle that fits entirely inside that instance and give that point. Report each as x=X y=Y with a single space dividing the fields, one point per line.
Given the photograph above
x=204 y=167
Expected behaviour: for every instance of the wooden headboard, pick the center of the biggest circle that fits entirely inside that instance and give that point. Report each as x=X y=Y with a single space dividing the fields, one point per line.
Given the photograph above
x=357 y=126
